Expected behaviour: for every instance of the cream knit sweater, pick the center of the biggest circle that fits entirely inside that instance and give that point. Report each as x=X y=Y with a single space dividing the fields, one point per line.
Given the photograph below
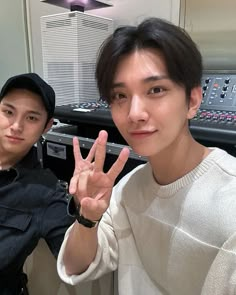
x=178 y=239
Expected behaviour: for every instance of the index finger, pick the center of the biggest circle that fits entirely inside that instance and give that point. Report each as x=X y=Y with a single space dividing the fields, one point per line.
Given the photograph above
x=76 y=151
x=100 y=152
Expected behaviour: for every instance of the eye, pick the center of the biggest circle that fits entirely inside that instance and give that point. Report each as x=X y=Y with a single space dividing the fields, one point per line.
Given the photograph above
x=156 y=90
x=32 y=118
x=7 y=112
x=117 y=96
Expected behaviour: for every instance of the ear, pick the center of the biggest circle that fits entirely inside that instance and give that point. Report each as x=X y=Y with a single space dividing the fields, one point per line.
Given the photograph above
x=194 y=101
x=49 y=125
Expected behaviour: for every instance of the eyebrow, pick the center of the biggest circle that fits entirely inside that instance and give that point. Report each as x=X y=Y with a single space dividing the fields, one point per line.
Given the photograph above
x=146 y=80
x=29 y=111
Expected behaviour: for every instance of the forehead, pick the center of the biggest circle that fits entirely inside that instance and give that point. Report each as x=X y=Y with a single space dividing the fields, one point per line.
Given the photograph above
x=140 y=64
x=24 y=99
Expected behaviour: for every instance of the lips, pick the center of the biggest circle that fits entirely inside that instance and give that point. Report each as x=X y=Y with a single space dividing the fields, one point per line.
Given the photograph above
x=14 y=138
x=141 y=133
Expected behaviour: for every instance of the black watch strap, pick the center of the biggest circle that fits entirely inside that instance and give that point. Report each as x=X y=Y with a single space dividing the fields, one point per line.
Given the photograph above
x=74 y=211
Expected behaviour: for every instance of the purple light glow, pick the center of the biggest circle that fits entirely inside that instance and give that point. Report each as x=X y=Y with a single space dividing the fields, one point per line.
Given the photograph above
x=86 y=4
x=79 y=2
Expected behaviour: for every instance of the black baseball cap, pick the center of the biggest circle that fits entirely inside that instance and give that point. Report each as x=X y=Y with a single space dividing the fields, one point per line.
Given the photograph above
x=34 y=83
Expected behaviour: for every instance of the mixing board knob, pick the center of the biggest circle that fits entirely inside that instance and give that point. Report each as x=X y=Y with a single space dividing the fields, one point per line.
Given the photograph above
x=227 y=81
x=222 y=95
x=225 y=88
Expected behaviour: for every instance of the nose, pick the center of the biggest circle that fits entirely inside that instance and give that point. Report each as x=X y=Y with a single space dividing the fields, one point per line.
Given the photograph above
x=18 y=125
x=137 y=110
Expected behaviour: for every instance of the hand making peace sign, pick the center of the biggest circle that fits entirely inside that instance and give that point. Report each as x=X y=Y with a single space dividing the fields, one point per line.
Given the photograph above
x=90 y=185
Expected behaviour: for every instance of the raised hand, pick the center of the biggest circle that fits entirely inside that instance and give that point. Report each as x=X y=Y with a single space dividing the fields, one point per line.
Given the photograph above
x=90 y=185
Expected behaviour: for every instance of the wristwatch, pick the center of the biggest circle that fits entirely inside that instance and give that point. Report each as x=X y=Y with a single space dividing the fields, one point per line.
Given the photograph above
x=74 y=210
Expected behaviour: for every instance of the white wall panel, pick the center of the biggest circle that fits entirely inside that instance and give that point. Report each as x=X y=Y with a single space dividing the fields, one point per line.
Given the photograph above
x=14 y=51
x=212 y=24
x=122 y=12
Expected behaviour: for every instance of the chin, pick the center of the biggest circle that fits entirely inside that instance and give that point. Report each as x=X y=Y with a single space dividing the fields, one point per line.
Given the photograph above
x=146 y=151
x=141 y=152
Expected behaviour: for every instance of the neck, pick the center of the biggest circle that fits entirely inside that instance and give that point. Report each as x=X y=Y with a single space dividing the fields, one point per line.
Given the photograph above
x=5 y=165
x=177 y=161
x=8 y=160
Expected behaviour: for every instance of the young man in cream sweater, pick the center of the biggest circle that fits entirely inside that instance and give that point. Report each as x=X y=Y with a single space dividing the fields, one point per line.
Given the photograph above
x=168 y=226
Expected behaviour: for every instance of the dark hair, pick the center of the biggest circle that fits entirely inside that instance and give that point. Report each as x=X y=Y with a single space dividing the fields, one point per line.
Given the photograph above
x=182 y=57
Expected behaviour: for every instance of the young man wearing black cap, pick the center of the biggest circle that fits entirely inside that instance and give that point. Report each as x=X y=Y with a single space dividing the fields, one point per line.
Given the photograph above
x=32 y=203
